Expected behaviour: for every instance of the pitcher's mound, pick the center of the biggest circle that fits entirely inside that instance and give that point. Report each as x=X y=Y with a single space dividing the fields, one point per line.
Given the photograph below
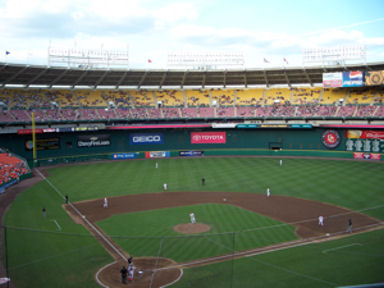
x=192 y=228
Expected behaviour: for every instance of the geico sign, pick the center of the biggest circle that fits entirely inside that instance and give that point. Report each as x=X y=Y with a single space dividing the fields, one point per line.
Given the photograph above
x=146 y=139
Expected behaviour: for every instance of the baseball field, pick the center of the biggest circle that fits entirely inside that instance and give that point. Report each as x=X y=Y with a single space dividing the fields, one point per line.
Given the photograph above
x=244 y=239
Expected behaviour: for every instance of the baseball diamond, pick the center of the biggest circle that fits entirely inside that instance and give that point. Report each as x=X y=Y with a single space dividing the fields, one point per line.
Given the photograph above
x=157 y=268
x=298 y=212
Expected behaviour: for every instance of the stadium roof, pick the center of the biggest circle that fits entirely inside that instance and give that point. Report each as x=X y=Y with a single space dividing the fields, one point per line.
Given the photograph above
x=34 y=76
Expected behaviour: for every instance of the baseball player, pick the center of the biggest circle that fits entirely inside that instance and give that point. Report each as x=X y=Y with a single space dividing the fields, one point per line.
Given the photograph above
x=268 y=192
x=349 y=229
x=281 y=162
x=165 y=186
x=192 y=216
x=105 y=202
x=321 y=220
x=131 y=271
x=157 y=165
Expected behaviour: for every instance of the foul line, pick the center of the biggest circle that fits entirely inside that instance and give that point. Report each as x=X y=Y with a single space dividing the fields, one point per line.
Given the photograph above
x=340 y=247
x=282 y=268
x=57 y=224
x=84 y=218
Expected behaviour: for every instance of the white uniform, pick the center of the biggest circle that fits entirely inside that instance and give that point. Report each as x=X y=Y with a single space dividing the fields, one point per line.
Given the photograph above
x=157 y=165
x=105 y=202
x=165 y=186
x=321 y=220
x=192 y=216
x=131 y=271
x=268 y=192
x=281 y=162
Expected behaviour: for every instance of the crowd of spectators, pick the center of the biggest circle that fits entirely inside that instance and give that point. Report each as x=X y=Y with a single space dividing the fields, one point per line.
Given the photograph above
x=92 y=105
x=225 y=112
x=11 y=167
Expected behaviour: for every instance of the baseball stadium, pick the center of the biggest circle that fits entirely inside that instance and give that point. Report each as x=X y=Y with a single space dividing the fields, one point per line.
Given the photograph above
x=101 y=168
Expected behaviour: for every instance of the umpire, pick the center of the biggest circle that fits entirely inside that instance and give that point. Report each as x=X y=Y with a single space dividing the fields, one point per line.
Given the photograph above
x=124 y=273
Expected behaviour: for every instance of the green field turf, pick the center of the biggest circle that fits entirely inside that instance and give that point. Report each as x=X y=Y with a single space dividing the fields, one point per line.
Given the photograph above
x=153 y=228
x=50 y=251
x=350 y=261
x=47 y=251
x=352 y=184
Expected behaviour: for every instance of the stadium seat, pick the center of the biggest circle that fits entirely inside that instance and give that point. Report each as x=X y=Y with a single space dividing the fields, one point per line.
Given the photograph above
x=249 y=97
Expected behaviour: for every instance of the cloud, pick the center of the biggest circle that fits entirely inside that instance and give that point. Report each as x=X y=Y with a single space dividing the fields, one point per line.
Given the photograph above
x=153 y=27
x=336 y=37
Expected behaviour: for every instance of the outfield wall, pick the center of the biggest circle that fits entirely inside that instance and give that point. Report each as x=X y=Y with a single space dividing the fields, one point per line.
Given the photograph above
x=101 y=144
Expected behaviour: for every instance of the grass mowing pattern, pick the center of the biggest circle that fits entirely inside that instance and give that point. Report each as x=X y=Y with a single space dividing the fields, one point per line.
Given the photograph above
x=38 y=259
x=352 y=184
x=42 y=255
x=350 y=261
x=155 y=234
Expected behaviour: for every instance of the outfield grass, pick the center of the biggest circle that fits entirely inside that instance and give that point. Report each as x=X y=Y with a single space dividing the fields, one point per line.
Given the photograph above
x=155 y=235
x=351 y=184
x=46 y=252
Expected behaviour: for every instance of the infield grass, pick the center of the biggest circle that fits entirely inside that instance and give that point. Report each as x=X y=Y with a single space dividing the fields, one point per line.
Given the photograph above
x=232 y=229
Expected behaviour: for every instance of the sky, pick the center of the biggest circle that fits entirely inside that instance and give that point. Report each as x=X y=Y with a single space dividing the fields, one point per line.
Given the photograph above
x=261 y=31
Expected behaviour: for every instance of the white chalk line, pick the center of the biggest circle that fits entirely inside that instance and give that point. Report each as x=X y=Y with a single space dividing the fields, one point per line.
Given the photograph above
x=340 y=247
x=262 y=262
x=279 y=267
x=238 y=253
x=57 y=224
x=99 y=271
x=101 y=235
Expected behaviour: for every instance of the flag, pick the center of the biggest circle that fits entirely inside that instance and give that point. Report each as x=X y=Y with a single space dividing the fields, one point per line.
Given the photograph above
x=149 y=61
x=285 y=60
x=266 y=61
x=7 y=52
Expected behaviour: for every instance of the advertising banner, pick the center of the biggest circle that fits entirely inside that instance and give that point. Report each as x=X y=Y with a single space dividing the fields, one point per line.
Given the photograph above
x=306 y=126
x=208 y=138
x=374 y=78
x=191 y=153
x=223 y=125
x=93 y=141
x=29 y=131
x=366 y=156
x=333 y=79
x=157 y=154
x=364 y=134
x=120 y=156
x=273 y=126
x=146 y=138
x=246 y=126
x=43 y=144
x=353 y=79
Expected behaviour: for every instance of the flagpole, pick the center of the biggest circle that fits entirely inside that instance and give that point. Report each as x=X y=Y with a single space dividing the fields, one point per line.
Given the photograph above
x=33 y=137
